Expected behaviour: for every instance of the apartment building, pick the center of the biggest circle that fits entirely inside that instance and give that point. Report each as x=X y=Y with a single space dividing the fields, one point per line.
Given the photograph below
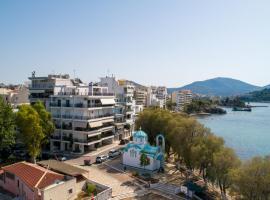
x=16 y=96
x=157 y=96
x=125 y=104
x=41 y=88
x=183 y=97
x=83 y=114
x=140 y=95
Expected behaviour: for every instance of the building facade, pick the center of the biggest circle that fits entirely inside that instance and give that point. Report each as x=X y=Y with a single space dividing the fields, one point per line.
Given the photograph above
x=125 y=106
x=83 y=114
x=183 y=97
x=157 y=96
x=30 y=182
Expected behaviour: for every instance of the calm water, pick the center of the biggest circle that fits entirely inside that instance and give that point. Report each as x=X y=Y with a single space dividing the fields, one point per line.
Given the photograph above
x=246 y=132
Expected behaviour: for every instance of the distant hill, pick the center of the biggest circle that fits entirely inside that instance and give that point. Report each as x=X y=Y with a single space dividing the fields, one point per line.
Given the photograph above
x=257 y=96
x=267 y=86
x=218 y=87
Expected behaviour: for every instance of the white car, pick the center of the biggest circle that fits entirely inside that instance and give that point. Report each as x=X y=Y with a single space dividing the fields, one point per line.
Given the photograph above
x=113 y=153
x=101 y=158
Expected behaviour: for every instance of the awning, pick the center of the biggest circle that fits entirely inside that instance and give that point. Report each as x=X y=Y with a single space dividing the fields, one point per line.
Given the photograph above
x=79 y=124
x=95 y=124
x=107 y=101
x=107 y=120
x=36 y=91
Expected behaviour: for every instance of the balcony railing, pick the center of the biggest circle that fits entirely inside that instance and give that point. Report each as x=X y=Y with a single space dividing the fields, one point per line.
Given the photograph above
x=55 y=137
x=67 y=138
x=93 y=117
x=85 y=94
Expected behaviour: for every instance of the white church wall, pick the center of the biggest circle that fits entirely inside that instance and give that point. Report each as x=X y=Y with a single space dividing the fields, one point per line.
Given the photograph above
x=135 y=161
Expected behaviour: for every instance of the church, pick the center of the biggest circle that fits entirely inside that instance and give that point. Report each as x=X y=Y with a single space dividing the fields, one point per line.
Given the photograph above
x=134 y=150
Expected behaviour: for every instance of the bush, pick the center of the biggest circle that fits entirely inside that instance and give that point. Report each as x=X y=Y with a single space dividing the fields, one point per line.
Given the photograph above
x=135 y=173
x=91 y=189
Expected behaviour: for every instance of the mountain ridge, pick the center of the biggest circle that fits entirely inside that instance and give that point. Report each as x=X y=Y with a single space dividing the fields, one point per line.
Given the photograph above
x=220 y=86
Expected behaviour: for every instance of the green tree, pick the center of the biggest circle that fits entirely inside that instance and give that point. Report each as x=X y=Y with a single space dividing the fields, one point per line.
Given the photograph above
x=7 y=125
x=144 y=160
x=45 y=120
x=203 y=152
x=31 y=131
x=224 y=163
x=252 y=180
x=91 y=189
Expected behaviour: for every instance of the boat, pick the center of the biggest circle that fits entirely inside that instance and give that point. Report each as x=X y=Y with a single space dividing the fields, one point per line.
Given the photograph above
x=247 y=109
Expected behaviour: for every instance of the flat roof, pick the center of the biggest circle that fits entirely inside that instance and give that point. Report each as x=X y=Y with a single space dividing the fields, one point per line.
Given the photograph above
x=62 y=167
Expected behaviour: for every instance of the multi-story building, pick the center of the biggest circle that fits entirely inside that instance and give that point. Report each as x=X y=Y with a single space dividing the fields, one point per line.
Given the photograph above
x=41 y=88
x=83 y=114
x=125 y=104
x=16 y=96
x=140 y=95
x=156 y=96
x=183 y=97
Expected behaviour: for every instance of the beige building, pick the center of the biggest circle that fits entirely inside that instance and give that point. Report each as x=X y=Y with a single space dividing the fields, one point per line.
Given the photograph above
x=183 y=97
x=17 y=96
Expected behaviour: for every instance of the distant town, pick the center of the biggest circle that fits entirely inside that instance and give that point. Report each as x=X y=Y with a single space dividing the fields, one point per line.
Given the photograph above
x=111 y=139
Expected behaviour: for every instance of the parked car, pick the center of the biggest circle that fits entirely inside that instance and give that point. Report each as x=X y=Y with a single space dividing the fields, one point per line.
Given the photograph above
x=113 y=153
x=124 y=141
x=62 y=158
x=100 y=159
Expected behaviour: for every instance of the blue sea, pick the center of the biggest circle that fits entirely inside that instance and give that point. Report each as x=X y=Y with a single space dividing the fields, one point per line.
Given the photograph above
x=248 y=133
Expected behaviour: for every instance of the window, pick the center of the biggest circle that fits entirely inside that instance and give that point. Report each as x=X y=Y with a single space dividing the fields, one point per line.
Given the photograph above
x=70 y=191
x=10 y=175
x=133 y=153
x=18 y=183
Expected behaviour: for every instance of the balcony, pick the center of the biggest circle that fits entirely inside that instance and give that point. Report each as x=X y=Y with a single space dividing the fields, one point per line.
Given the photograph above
x=93 y=117
x=67 y=116
x=55 y=105
x=107 y=135
x=67 y=138
x=85 y=94
x=55 y=137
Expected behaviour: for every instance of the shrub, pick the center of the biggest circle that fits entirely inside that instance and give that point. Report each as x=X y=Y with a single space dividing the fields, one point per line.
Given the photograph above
x=91 y=189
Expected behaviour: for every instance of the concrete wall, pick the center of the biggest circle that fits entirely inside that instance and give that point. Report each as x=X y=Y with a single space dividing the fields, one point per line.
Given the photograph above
x=21 y=190
x=60 y=191
x=135 y=161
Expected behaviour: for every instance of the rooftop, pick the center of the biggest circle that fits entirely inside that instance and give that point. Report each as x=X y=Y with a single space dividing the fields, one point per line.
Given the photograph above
x=62 y=167
x=139 y=134
x=33 y=175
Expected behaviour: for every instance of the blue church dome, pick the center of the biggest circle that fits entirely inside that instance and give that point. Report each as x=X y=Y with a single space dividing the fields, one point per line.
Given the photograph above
x=140 y=134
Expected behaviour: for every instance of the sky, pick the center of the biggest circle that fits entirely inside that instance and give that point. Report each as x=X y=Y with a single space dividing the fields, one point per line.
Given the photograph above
x=153 y=42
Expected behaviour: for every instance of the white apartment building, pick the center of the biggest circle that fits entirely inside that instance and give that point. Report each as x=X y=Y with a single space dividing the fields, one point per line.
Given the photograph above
x=125 y=104
x=183 y=97
x=83 y=114
x=157 y=96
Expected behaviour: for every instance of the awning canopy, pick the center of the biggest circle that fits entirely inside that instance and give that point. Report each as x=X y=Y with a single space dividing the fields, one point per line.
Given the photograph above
x=107 y=101
x=80 y=124
x=36 y=91
x=107 y=120
x=95 y=124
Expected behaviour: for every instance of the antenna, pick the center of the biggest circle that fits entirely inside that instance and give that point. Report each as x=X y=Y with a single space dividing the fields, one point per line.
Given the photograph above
x=74 y=73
